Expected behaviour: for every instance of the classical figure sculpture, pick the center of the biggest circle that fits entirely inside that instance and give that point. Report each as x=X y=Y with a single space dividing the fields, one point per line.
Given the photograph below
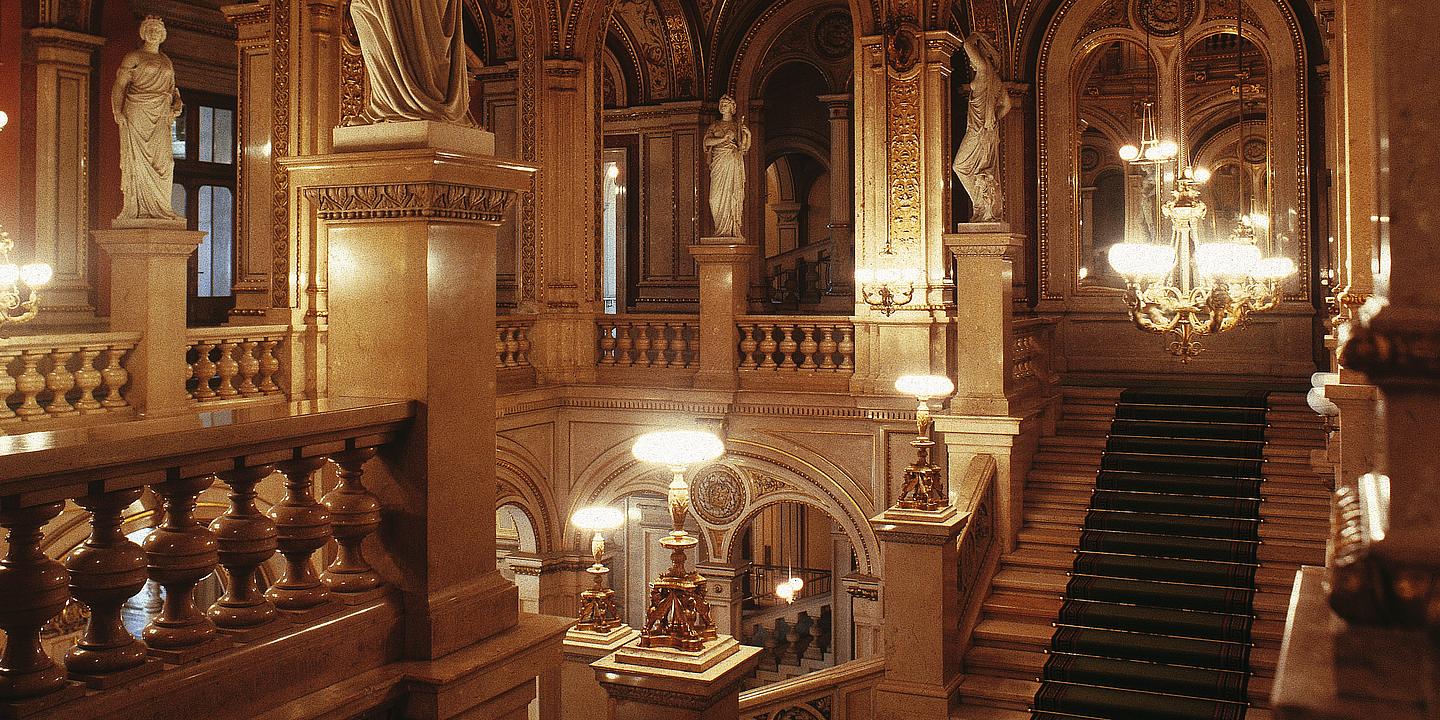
x=727 y=140
x=145 y=102
x=977 y=161
x=414 y=54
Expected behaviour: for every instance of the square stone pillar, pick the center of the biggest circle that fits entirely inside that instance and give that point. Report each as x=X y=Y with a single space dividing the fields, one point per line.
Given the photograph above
x=984 y=258
x=725 y=594
x=666 y=685
x=581 y=694
x=968 y=437
x=410 y=211
x=723 y=268
x=921 y=626
x=866 y=617
x=148 y=268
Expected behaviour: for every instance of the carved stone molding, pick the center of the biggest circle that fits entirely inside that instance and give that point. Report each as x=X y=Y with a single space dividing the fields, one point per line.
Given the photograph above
x=1394 y=346
x=718 y=496
x=652 y=696
x=405 y=201
x=860 y=592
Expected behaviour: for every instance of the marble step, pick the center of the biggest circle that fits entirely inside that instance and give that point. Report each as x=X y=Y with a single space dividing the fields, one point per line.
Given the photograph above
x=966 y=711
x=1004 y=693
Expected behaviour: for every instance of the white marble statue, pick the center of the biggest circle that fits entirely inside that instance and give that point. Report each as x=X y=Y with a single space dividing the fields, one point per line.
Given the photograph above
x=414 y=54
x=145 y=102
x=727 y=140
x=977 y=161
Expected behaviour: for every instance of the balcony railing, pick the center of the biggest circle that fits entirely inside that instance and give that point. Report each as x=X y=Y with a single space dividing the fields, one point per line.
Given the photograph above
x=762 y=579
x=229 y=363
x=189 y=648
x=64 y=376
x=512 y=343
x=787 y=343
x=649 y=341
x=850 y=686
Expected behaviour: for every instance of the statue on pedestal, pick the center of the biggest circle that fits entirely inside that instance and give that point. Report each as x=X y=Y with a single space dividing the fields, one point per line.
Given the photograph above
x=414 y=54
x=977 y=161
x=145 y=102
x=727 y=140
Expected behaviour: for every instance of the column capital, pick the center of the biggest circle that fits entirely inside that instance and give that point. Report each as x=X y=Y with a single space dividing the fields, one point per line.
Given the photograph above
x=66 y=46
x=838 y=104
x=148 y=241
x=985 y=240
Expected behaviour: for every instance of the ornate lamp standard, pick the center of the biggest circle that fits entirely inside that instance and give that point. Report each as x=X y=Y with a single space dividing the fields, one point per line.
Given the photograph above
x=598 y=613
x=924 y=487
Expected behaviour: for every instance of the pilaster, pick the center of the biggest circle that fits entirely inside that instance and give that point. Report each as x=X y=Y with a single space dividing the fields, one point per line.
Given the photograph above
x=725 y=594
x=554 y=581
x=866 y=615
x=63 y=64
x=842 y=193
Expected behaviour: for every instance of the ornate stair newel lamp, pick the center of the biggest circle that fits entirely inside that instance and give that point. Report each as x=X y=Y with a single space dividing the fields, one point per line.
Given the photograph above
x=924 y=488
x=598 y=613
x=678 y=617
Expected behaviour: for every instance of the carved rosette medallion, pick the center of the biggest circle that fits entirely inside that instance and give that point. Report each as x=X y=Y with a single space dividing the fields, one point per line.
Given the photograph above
x=717 y=495
x=1256 y=151
x=404 y=201
x=1164 y=17
x=834 y=36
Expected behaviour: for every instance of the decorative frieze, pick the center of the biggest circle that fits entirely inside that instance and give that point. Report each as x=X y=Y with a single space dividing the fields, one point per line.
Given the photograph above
x=404 y=201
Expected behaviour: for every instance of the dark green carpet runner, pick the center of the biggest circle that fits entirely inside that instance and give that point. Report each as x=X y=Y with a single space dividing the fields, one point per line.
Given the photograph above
x=1158 y=609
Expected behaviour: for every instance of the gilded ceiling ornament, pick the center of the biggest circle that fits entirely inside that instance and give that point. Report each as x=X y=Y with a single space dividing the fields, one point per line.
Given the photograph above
x=834 y=36
x=1164 y=17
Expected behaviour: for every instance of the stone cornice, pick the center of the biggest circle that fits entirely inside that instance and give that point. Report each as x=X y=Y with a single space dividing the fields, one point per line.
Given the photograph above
x=407 y=201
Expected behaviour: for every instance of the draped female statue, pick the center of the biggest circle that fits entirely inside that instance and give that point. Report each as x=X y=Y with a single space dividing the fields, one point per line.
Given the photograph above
x=977 y=161
x=145 y=102
x=414 y=54
x=727 y=140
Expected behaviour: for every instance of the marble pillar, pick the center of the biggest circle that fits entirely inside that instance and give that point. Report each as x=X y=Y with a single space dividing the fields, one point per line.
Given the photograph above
x=842 y=194
x=581 y=694
x=63 y=66
x=866 y=617
x=725 y=594
x=149 y=272
x=984 y=254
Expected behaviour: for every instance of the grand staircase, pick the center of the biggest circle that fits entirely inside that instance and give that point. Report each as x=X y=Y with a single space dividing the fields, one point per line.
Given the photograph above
x=1130 y=593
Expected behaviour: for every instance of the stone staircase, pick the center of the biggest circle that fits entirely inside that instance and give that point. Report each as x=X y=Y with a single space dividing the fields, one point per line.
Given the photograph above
x=795 y=642
x=1015 y=628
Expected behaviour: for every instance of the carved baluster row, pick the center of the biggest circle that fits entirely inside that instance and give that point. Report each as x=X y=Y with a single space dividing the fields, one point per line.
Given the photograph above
x=512 y=346
x=108 y=568
x=45 y=381
x=799 y=346
x=228 y=368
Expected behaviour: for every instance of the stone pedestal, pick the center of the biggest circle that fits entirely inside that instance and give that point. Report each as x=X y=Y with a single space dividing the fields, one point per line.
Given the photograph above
x=549 y=584
x=922 y=668
x=984 y=263
x=725 y=593
x=411 y=236
x=147 y=295
x=968 y=437
x=661 y=684
x=581 y=694
x=723 y=268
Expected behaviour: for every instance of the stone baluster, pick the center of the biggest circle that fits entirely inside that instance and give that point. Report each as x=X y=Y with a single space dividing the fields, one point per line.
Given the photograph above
x=105 y=571
x=500 y=346
x=772 y=648
x=845 y=347
x=355 y=514
x=249 y=368
x=826 y=347
x=269 y=366
x=203 y=370
x=787 y=347
x=32 y=590
x=808 y=346
x=793 y=649
x=512 y=347
x=679 y=346
x=7 y=383
x=246 y=539
x=813 y=649
x=30 y=383
x=114 y=376
x=59 y=382
x=522 y=344
x=767 y=346
x=87 y=378
x=180 y=553
x=642 y=344
x=607 y=344
x=624 y=346
x=304 y=527
x=749 y=341
x=227 y=368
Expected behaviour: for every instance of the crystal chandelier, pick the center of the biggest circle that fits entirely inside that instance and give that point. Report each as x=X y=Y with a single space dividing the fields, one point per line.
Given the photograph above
x=1186 y=288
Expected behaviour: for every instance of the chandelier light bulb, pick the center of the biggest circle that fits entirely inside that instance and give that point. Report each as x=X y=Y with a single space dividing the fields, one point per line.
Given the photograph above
x=864 y=275
x=1227 y=260
x=9 y=273
x=797 y=584
x=1167 y=149
x=598 y=519
x=4 y=119
x=1202 y=175
x=924 y=387
x=1129 y=153
x=678 y=448
x=1141 y=260
x=1275 y=268
x=36 y=274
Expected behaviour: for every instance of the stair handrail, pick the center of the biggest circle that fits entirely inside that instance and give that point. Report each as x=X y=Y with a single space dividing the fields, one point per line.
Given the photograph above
x=838 y=684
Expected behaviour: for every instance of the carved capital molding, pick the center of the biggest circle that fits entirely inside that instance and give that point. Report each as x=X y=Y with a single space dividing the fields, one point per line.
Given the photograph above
x=665 y=698
x=407 y=201
x=1394 y=345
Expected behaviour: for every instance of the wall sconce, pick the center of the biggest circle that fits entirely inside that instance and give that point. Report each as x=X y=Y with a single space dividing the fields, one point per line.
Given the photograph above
x=887 y=288
x=34 y=275
x=598 y=613
x=678 y=617
x=924 y=483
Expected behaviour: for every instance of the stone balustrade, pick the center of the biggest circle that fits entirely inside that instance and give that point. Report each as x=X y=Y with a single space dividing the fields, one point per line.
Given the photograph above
x=316 y=599
x=512 y=343
x=648 y=341
x=1032 y=352
x=789 y=343
x=849 y=686
x=229 y=363
x=64 y=376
